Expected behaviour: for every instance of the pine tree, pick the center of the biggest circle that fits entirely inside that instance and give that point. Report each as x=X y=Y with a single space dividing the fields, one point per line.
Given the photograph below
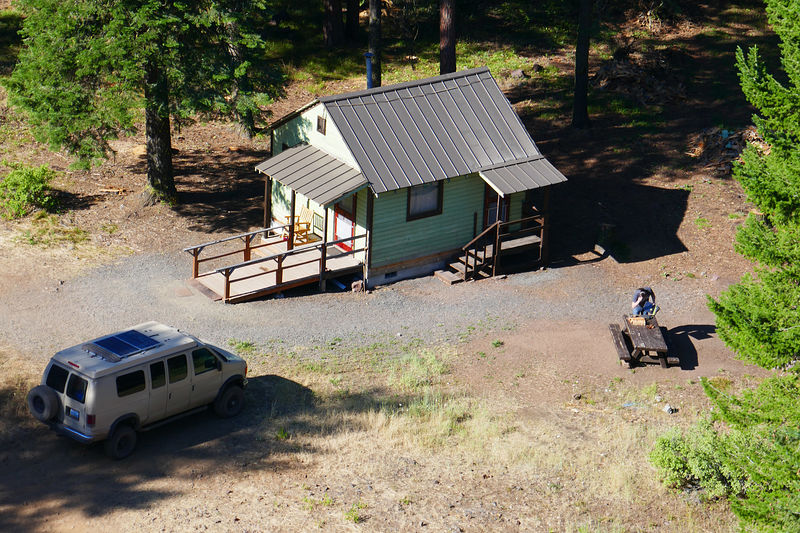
x=88 y=67
x=748 y=448
x=759 y=318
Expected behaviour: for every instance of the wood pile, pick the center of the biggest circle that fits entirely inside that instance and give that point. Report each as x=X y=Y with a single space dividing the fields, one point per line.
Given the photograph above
x=648 y=80
x=718 y=149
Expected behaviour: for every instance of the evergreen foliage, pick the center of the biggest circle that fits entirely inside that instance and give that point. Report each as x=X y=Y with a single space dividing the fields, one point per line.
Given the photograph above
x=759 y=317
x=88 y=67
x=748 y=449
x=25 y=189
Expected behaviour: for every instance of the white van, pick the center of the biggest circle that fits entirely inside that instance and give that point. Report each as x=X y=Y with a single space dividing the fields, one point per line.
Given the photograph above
x=114 y=386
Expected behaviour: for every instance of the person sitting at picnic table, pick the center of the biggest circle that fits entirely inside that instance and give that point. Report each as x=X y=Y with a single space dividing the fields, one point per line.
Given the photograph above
x=642 y=304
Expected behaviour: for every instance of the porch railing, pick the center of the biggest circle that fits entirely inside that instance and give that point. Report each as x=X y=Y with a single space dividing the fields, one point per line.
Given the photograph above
x=484 y=250
x=281 y=268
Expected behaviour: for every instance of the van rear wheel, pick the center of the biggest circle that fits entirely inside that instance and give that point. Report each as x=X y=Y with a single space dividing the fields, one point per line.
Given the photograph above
x=230 y=402
x=122 y=442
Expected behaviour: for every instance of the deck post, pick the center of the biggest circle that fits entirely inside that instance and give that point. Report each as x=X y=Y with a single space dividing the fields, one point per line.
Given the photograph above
x=324 y=254
x=290 y=243
x=496 y=248
x=267 y=202
x=247 y=247
x=195 y=263
x=544 y=248
x=227 y=275
x=279 y=271
x=368 y=251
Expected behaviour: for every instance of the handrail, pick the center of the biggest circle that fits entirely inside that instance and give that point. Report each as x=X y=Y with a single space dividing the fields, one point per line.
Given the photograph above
x=485 y=232
x=522 y=220
x=239 y=236
x=299 y=249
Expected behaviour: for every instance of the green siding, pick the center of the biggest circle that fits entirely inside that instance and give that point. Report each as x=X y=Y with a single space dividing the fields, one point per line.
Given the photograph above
x=303 y=129
x=281 y=207
x=394 y=239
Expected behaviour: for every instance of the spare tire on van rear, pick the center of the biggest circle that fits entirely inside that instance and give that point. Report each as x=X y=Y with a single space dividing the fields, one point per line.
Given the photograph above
x=43 y=403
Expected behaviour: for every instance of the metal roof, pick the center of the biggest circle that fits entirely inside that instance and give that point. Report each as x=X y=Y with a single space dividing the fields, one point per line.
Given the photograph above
x=313 y=173
x=431 y=129
x=521 y=175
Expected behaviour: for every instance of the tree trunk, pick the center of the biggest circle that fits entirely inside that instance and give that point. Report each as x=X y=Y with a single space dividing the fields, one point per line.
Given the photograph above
x=447 y=37
x=333 y=27
x=375 y=40
x=351 y=25
x=159 y=141
x=580 y=113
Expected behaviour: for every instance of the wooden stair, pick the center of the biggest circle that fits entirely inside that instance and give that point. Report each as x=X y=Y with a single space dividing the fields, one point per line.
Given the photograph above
x=478 y=259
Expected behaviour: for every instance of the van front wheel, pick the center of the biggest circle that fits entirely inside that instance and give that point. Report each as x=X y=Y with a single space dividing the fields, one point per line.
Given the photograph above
x=230 y=402
x=122 y=442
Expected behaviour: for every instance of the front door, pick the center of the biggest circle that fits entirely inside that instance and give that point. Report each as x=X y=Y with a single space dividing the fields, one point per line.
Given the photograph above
x=490 y=206
x=344 y=223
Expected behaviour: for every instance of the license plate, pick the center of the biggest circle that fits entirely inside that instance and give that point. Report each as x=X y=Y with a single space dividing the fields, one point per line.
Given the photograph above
x=72 y=413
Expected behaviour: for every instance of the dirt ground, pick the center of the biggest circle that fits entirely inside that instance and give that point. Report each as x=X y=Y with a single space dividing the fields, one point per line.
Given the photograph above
x=571 y=452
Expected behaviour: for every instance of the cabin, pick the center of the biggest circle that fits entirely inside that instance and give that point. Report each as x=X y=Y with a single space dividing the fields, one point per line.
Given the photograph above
x=434 y=175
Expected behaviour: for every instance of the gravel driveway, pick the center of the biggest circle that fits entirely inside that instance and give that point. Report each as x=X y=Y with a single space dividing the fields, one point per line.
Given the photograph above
x=153 y=287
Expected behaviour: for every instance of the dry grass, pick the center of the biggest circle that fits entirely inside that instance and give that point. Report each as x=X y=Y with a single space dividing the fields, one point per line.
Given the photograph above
x=581 y=466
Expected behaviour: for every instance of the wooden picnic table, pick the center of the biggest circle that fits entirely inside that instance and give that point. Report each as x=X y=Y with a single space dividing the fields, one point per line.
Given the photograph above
x=641 y=342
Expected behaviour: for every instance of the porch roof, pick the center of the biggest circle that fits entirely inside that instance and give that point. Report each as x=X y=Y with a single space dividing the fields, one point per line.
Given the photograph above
x=521 y=175
x=313 y=173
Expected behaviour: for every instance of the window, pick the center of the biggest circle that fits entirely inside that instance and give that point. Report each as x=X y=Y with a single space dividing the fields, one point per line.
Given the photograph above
x=178 y=369
x=203 y=361
x=321 y=123
x=157 y=375
x=130 y=383
x=424 y=200
x=57 y=378
x=76 y=388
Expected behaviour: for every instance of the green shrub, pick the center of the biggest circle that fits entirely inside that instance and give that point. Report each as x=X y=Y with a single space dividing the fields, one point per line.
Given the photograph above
x=25 y=189
x=747 y=451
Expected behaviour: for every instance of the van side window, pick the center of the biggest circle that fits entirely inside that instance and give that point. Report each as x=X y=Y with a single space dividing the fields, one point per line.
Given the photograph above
x=203 y=361
x=178 y=368
x=57 y=378
x=130 y=383
x=157 y=375
x=76 y=388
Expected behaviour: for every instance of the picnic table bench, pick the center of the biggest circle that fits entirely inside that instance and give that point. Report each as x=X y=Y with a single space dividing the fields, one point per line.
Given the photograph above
x=641 y=342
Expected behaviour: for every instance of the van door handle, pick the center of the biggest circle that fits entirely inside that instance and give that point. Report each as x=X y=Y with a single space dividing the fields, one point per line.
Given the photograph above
x=170 y=396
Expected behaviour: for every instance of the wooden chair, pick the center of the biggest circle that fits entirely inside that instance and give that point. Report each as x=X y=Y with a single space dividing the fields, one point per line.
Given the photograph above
x=302 y=225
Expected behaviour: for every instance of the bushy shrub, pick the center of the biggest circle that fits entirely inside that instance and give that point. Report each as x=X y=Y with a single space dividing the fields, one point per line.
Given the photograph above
x=747 y=451
x=25 y=189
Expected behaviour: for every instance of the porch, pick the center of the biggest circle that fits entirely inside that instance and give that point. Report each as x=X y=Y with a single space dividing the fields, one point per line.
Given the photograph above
x=269 y=264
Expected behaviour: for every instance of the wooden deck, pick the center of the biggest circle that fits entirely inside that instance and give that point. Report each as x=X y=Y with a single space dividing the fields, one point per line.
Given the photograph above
x=274 y=269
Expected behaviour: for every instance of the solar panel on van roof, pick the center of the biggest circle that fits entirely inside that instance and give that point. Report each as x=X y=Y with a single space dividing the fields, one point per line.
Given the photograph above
x=125 y=344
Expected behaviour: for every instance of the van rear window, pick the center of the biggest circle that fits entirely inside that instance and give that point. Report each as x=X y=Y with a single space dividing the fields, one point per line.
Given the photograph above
x=76 y=388
x=57 y=378
x=130 y=383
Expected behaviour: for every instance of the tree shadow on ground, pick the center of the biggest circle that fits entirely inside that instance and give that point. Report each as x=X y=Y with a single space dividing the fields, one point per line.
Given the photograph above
x=679 y=341
x=630 y=142
x=218 y=192
x=43 y=473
